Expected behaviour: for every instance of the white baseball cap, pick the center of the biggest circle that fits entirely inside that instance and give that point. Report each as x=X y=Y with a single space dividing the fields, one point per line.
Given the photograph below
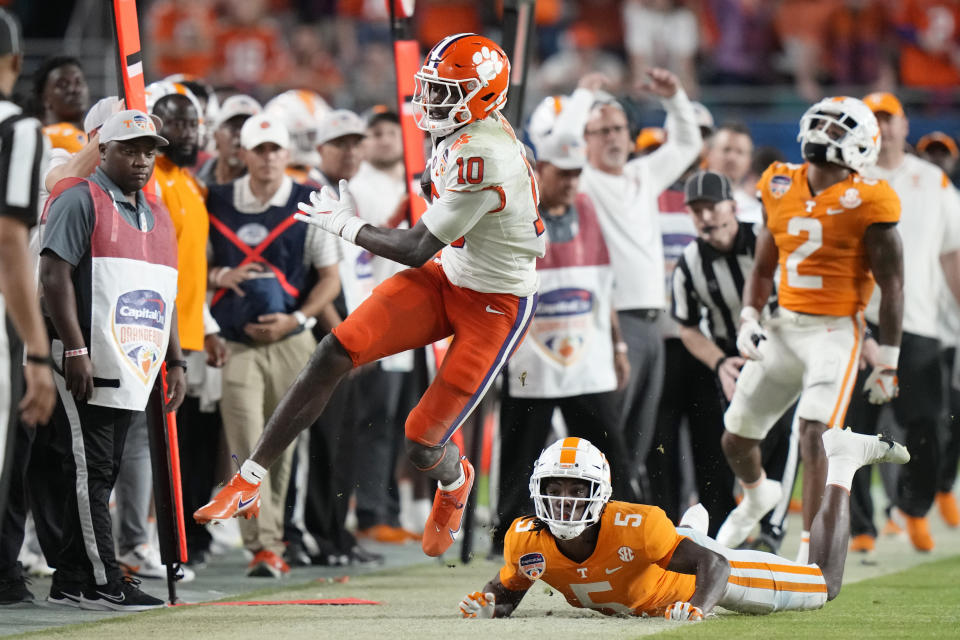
x=339 y=123
x=98 y=113
x=563 y=150
x=129 y=125
x=238 y=105
x=262 y=128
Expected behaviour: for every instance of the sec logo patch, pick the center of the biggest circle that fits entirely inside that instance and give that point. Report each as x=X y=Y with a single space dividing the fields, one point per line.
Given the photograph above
x=625 y=553
x=532 y=565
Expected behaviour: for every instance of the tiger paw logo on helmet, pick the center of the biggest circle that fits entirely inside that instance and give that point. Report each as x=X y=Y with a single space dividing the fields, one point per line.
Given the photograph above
x=489 y=64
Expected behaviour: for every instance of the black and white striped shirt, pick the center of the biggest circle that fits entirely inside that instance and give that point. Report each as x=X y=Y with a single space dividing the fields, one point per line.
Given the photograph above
x=22 y=149
x=708 y=285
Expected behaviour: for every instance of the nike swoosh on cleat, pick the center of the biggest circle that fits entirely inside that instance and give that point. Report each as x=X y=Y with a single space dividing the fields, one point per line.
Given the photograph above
x=107 y=596
x=241 y=504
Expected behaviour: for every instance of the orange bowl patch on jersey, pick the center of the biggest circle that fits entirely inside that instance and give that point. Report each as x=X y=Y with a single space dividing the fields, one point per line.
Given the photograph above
x=779 y=185
x=532 y=565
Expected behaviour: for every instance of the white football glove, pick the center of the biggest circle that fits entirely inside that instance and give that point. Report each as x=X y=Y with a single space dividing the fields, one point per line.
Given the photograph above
x=478 y=605
x=882 y=384
x=750 y=335
x=683 y=612
x=336 y=216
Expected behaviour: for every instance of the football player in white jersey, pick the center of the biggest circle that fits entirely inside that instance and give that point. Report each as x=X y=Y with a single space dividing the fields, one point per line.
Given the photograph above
x=482 y=288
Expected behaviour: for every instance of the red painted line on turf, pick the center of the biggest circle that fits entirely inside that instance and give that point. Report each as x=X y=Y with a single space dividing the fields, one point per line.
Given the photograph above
x=248 y=603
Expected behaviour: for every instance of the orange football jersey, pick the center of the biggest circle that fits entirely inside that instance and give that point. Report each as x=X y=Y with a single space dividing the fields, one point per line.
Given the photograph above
x=64 y=135
x=625 y=574
x=823 y=259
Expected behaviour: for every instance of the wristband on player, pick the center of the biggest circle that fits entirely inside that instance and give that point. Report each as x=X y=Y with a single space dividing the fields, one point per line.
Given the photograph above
x=749 y=313
x=621 y=347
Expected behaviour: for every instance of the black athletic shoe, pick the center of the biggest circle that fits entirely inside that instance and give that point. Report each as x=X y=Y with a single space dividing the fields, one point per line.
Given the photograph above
x=14 y=590
x=359 y=555
x=119 y=595
x=65 y=594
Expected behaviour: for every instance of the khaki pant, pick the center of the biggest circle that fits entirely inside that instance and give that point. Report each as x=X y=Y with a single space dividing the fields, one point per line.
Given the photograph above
x=255 y=378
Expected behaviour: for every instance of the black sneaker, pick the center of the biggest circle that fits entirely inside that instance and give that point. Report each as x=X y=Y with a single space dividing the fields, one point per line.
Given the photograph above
x=119 y=595
x=64 y=594
x=14 y=590
x=359 y=555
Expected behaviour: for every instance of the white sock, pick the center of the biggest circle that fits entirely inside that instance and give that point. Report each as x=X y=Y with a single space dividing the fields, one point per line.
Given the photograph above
x=252 y=472
x=456 y=484
x=803 y=554
x=749 y=489
x=840 y=471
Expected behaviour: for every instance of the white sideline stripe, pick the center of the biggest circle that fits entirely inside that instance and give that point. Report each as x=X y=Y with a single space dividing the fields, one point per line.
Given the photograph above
x=80 y=460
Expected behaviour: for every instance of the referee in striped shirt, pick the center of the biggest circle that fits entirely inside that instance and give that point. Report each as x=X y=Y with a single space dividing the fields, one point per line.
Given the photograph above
x=22 y=148
x=707 y=291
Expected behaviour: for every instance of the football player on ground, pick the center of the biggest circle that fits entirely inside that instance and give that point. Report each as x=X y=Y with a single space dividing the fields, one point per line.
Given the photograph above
x=831 y=232
x=623 y=558
x=481 y=289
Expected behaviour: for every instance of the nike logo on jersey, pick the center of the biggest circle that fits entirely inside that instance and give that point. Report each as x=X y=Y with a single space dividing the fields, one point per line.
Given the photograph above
x=832 y=211
x=241 y=504
x=492 y=310
x=609 y=571
x=112 y=598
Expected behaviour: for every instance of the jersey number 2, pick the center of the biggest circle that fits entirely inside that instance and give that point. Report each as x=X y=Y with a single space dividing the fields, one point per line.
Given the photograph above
x=814 y=231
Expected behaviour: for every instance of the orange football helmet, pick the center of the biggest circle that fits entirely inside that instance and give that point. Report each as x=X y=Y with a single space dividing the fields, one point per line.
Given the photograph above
x=464 y=78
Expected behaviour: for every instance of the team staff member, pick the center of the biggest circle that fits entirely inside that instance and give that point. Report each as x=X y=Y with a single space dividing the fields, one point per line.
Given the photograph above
x=622 y=558
x=108 y=276
x=22 y=149
x=574 y=357
x=482 y=289
x=227 y=165
x=625 y=195
x=831 y=232
x=930 y=231
x=261 y=258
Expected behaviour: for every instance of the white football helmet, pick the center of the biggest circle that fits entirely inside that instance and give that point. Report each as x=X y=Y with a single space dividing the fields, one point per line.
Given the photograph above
x=576 y=458
x=300 y=111
x=841 y=130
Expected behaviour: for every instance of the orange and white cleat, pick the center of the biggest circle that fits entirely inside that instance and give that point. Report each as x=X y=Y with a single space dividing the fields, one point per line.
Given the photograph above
x=238 y=498
x=443 y=524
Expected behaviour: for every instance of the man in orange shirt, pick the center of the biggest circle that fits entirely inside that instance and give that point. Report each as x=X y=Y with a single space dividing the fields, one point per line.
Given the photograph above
x=831 y=232
x=62 y=97
x=623 y=558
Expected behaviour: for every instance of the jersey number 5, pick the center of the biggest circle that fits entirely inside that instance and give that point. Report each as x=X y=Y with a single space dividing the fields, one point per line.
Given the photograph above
x=814 y=231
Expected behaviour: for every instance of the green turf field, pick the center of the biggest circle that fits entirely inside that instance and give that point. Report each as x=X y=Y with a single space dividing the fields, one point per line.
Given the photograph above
x=421 y=602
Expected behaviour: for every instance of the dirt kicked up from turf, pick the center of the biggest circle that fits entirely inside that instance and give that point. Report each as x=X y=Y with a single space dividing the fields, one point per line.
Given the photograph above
x=419 y=602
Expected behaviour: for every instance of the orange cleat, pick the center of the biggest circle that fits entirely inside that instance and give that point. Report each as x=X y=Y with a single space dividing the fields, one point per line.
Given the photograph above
x=947 y=503
x=863 y=543
x=919 y=531
x=387 y=534
x=238 y=498
x=267 y=564
x=443 y=525
x=891 y=528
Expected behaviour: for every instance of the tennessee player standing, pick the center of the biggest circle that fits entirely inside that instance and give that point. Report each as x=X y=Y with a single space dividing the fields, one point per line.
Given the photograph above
x=623 y=558
x=482 y=288
x=831 y=232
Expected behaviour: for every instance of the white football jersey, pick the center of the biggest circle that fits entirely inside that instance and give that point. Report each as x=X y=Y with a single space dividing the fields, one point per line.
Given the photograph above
x=494 y=250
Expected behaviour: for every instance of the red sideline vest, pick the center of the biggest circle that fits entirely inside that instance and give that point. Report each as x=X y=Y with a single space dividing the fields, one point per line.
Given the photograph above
x=133 y=286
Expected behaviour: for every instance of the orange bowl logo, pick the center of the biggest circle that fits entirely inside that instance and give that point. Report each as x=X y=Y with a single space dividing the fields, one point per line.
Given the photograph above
x=138 y=323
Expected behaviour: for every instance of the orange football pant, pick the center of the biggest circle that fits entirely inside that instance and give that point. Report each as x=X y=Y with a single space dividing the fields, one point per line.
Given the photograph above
x=418 y=307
